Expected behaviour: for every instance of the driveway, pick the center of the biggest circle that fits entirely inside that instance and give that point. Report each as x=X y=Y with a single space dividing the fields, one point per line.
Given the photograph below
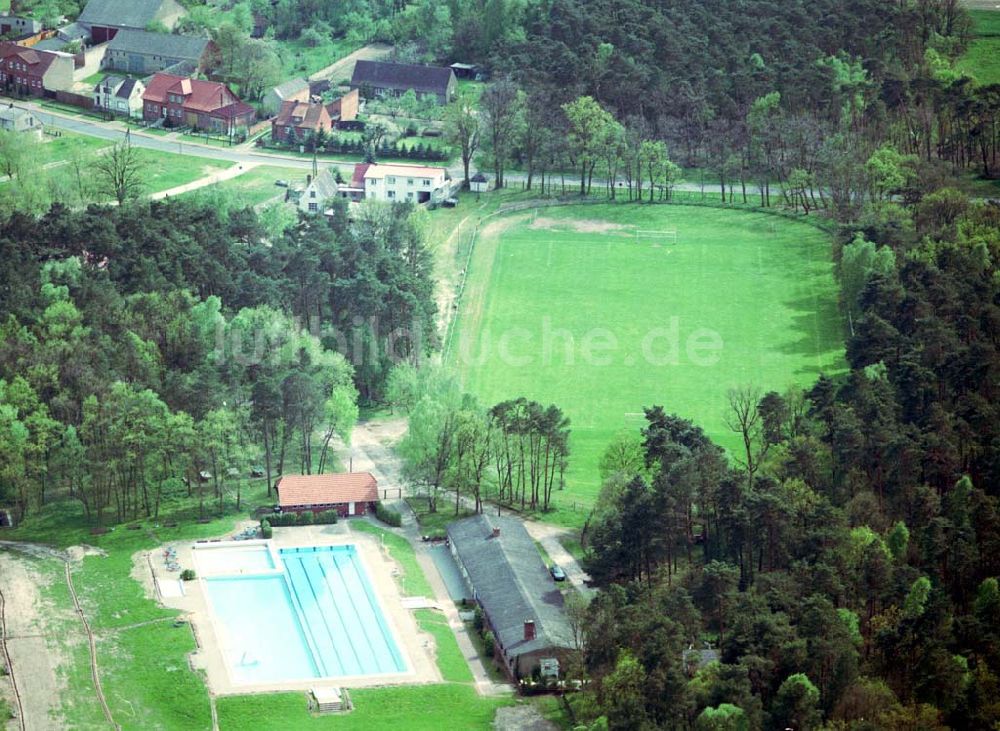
x=342 y=69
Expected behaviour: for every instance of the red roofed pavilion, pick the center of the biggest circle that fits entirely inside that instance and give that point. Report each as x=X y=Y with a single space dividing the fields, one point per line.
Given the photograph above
x=349 y=493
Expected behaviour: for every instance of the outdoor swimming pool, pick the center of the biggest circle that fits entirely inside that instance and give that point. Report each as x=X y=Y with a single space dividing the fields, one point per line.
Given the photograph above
x=314 y=616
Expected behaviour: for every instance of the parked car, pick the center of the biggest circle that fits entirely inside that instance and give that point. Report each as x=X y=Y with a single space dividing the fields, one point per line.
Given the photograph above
x=449 y=202
x=281 y=183
x=256 y=471
x=204 y=476
x=557 y=573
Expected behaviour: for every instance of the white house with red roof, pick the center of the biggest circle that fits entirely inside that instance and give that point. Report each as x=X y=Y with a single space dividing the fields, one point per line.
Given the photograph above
x=349 y=493
x=184 y=102
x=405 y=183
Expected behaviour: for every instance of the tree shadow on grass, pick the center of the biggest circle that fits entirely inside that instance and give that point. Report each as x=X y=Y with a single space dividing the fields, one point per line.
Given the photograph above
x=817 y=331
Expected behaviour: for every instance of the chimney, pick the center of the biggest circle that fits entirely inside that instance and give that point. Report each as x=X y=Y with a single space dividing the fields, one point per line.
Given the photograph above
x=496 y=532
x=309 y=179
x=529 y=630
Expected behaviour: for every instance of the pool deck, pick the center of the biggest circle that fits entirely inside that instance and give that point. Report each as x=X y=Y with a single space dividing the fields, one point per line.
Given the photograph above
x=416 y=647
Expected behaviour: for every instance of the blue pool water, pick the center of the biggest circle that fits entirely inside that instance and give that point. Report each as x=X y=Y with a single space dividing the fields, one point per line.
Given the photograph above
x=318 y=618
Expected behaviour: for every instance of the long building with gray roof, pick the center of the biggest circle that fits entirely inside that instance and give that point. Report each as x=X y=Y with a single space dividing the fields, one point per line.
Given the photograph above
x=520 y=602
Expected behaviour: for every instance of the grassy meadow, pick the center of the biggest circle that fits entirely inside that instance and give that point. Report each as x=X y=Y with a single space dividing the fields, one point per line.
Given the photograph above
x=982 y=59
x=570 y=306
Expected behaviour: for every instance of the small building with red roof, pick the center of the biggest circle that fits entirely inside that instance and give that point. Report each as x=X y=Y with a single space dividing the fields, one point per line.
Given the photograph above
x=184 y=102
x=349 y=493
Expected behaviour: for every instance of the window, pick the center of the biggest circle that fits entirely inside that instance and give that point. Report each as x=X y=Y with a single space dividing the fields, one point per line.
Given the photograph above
x=427 y=183
x=409 y=181
x=391 y=194
x=313 y=207
x=390 y=181
x=410 y=194
x=312 y=193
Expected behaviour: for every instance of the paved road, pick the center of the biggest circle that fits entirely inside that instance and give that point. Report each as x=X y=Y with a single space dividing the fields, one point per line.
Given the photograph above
x=115 y=132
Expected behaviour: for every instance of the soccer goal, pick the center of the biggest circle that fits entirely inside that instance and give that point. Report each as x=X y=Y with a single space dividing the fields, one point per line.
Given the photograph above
x=656 y=238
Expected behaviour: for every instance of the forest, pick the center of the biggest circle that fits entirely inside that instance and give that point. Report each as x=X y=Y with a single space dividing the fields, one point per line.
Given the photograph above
x=843 y=564
x=146 y=346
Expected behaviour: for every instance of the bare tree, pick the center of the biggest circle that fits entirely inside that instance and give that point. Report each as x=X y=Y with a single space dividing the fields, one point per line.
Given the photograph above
x=502 y=104
x=463 y=130
x=119 y=171
x=744 y=418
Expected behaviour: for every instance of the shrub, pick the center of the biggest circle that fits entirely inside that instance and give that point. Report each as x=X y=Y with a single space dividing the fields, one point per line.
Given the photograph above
x=305 y=518
x=265 y=529
x=327 y=517
x=477 y=619
x=281 y=519
x=188 y=575
x=489 y=644
x=388 y=515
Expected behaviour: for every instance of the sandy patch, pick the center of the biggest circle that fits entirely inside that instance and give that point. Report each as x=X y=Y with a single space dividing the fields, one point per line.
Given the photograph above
x=523 y=717
x=583 y=226
x=34 y=658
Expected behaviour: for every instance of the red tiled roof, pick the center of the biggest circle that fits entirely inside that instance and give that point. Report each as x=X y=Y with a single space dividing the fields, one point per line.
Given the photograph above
x=358 y=178
x=156 y=89
x=234 y=110
x=342 y=487
x=200 y=95
x=300 y=114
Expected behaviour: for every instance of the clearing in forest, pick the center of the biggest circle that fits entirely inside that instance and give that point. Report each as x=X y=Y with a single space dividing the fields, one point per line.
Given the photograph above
x=605 y=309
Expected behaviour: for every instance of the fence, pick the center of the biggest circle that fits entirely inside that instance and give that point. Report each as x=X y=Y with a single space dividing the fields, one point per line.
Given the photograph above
x=75 y=100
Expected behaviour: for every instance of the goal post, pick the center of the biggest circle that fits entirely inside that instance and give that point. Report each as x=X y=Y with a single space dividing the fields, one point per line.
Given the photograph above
x=663 y=236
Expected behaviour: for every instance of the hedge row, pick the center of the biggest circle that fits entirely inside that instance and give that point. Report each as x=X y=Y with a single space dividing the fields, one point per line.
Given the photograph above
x=327 y=517
x=388 y=515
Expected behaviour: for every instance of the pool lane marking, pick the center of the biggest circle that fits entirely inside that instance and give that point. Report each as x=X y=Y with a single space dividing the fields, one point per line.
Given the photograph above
x=372 y=614
x=306 y=627
x=357 y=617
x=333 y=643
x=376 y=613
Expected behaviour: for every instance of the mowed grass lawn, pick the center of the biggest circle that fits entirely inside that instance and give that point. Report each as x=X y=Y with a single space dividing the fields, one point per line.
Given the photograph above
x=572 y=308
x=982 y=59
x=257 y=185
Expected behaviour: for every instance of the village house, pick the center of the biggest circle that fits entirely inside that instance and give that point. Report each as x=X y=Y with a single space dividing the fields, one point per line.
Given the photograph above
x=380 y=78
x=520 y=602
x=142 y=52
x=119 y=95
x=26 y=71
x=349 y=493
x=103 y=19
x=15 y=26
x=298 y=121
x=319 y=191
x=398 y=182
x=184 y=102
x=13 y=119
x=293 y=90
x=345 y=109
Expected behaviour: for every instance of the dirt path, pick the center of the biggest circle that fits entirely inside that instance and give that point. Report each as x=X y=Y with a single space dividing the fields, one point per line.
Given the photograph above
x=343 y=68
x=217 y=177
x=33 y=660
x=373 y=449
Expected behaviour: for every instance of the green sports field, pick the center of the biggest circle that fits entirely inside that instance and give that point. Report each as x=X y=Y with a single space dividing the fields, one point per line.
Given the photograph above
x=606 y=309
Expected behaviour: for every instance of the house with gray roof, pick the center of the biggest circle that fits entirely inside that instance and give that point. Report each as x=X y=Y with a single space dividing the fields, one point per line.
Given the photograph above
x=293 y=90
x=104 y=18
x=380 y=78
x=318 y=191
x=520 y=602
x=142 y=52
x=119 y=95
